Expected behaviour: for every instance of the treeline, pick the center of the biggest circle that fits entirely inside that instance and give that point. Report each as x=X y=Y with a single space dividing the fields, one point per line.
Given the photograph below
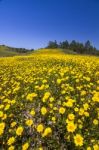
x=20 y=50
x=78 y=47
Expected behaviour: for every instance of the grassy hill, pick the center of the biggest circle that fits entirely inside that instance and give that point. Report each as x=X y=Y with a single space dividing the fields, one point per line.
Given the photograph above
x=53 y=51
x=6 y=51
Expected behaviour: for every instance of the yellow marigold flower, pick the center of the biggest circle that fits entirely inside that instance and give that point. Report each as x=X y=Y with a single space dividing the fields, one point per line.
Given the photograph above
x=62 y=110
x=78 y=140
x=96 y=97
x=43 y=110
x=96 y=147
x=19 y=131
x=7 y=107
x=95 y=122
x=83 y=93
x=11 y=140
x=53 y=119
x=86 y=114
x=40 y=128
x=81 y=111
x=13 y=101
x=25 y=146
x=29 y=122
x=86 y=106
x=13 y=124
x=46 y=96
x=32 y=112
x=71 y=127
x=47 y=131
x=11 y=148
x=59 y=81
x=76 y=109
x=1 y=106
x=4 y=116
x=87 y=79
x=69 y=103
x=80 y=126
x=44 y=81
x=71 y=116
x=1 y=114
x=31 y=96
x=40 y=148
x=2 y=126
x=88 y=148
x=51 y=99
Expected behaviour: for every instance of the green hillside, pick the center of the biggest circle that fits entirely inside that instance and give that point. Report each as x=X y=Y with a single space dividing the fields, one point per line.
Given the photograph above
x=53 y=51
x=6 y=51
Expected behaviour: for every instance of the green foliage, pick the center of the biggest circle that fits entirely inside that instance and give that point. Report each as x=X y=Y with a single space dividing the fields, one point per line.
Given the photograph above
x=77 y=47
x=10 y=51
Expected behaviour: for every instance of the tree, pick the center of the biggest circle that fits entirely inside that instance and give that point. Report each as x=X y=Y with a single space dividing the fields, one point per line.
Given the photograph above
x=64 y=44
x=52 y=44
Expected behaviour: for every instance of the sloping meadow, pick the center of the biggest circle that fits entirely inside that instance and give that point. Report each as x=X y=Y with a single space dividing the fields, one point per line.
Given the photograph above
x=49 y=102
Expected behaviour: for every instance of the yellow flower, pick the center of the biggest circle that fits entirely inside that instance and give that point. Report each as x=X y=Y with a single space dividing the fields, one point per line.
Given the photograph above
x=71 y=127
x=62 y=110
x=11 y=148
x=32 y=112
x=96 y=147
x=88 y=148
x=51 y=99
x=11 y=140
x=76 y=109
x=2 y=126
x=25 y=146
x=53 y=119
x=95 y=122
x=40 y=148
x=4 y=116
x=19 y=131
x=71 y=116
x=83 y=93
x=86 y=114
x=78 y=140
x=69 y=103
x=46 y=96
x=43 y=110
x=86 y=106
x=47 y=131
x=1 y=114
x=81 y=111
x=40 y=128
x=31 y=96
x=7 y=107
x=95 y=97
x=59 y=81
x=29 y=122
x=13 y=124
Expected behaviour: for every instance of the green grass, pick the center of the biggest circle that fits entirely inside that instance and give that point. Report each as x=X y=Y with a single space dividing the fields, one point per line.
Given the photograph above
x=5 y=52
x=54 y=51
x=9 y=51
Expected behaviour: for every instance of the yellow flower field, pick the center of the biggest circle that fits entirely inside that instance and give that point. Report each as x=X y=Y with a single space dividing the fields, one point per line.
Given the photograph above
x=49 y=102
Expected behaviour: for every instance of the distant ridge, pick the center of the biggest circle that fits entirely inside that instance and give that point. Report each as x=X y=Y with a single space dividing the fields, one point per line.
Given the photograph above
x=6 y=51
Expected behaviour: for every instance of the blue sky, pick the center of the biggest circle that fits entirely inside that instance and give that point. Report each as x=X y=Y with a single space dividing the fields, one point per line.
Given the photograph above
x=32 y=23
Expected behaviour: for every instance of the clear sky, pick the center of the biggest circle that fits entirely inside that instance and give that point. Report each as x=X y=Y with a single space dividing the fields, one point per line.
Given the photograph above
x=32 y=23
